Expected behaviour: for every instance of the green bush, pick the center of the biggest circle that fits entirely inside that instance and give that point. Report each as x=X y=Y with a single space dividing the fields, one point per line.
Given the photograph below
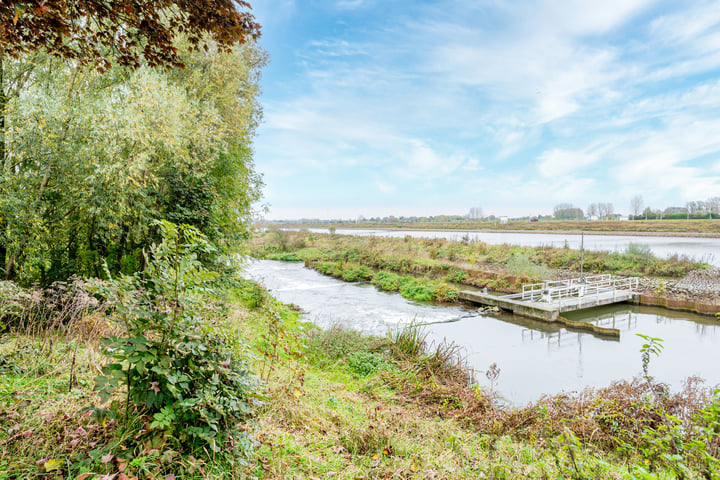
x=638 y=250
x=416 y=290
x=357 y=273
x=174 y=365
x=363 y=364
x=519 y=264
x=387 y=281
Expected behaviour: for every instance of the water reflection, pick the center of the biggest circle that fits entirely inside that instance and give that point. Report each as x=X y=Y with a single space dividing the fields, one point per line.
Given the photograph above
x=535 y=358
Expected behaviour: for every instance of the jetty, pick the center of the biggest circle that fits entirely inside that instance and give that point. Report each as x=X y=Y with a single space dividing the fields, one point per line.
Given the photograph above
x=546 y=301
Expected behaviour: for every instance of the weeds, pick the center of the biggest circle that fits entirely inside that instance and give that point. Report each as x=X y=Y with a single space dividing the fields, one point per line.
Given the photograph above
x=519 y=264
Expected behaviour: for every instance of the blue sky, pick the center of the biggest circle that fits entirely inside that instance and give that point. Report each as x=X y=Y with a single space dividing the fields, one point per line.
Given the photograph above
x=432 y=107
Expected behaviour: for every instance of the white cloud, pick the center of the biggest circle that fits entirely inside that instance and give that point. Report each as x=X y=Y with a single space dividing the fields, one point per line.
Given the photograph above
x=385 y=187
x=499 y=98
x=557 y=162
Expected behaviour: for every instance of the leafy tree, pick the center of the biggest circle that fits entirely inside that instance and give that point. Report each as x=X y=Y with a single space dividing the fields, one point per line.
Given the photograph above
x=94 y=159
x=567 y=211
x=121 y=31
x=81 y=165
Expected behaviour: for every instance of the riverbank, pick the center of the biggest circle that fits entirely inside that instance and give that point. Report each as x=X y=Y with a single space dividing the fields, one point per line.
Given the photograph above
x=338 y=404
x=681 y=228
x=675 y=282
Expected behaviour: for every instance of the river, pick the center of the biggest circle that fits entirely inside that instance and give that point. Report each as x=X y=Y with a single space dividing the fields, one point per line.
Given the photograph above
x=701 y=249
x=534 y=358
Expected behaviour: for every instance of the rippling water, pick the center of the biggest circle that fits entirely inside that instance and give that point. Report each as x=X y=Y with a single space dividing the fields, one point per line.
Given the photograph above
x=534 y=358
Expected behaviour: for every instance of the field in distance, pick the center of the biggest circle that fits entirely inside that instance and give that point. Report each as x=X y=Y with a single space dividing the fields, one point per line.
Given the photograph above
x=645 y=227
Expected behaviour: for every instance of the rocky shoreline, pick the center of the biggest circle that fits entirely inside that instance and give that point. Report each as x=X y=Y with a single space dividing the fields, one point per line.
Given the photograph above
x=699 y=286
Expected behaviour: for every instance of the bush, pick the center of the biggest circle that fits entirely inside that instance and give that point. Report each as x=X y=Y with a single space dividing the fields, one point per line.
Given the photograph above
x=416 y=290
x=387 y=281
x=519 y=264
x=176 y=366
x=357 y=273
x=638 y=250
x=363 y=364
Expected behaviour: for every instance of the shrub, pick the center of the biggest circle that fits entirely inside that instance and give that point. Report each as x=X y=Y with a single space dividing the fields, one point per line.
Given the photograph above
x=638 y=250
x=363 y=364
x=175 y=366
x=519 y=264
x=416 y=290
x=387 y=281
x=357 y=273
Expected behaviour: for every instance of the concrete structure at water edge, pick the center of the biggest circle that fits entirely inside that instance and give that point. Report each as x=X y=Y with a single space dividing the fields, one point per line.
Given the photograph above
x=548 y=300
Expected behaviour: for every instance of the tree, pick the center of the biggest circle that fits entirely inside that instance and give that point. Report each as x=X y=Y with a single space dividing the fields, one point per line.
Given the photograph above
x=94 y=164
x=592 y=210
x=567 y=211
x=91 y=161
x=606 y=210
x=121 y=31
x=636 y=205
x=713 y=205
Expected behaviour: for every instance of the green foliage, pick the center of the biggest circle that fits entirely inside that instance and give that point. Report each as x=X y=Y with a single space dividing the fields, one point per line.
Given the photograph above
x=653 y=346
x=387 y=281
x=456 y=276
x=416 y=289
x=519 y=264
x=357 y=273
x=92 y=161
x=638 y=249
x=175 y=366
x=409 y=341
x=363 y=364
x=252 y=294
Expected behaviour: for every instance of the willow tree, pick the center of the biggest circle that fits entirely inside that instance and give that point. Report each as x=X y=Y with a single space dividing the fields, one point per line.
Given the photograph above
x=92 y=155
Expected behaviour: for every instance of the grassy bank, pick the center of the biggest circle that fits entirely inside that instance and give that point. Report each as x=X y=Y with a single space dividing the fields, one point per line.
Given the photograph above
x=702 y=227
x=442 y=262
x=332 y=404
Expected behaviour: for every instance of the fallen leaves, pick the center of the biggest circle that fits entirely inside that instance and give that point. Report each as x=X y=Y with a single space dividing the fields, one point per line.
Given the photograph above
x=53 y=464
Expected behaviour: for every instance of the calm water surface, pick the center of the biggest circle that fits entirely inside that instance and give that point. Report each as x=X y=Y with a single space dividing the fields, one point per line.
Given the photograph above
x=705 y=250
x=534 y=358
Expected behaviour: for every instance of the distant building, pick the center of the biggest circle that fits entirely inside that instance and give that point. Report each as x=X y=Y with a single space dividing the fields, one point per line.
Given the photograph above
x=593 y=218
x=503 y=220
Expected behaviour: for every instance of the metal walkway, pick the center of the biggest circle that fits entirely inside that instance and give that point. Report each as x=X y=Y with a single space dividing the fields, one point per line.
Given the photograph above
x=547 y=300
x=578 y=293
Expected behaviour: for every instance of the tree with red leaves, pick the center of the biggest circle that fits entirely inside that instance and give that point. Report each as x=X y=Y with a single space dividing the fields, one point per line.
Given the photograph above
x=121 y=31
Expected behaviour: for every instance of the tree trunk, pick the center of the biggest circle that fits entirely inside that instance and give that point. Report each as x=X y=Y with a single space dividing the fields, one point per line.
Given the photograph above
x=3 y=106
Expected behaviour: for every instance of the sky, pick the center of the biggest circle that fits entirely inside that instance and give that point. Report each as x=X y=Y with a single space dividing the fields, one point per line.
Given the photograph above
x=415 y=108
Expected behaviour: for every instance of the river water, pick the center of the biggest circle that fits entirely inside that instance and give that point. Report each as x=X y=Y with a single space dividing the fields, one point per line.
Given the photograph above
x=534 y=358
x=701 y=249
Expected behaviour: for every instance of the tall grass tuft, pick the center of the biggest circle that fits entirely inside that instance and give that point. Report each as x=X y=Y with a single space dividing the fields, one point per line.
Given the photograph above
x=409 y=341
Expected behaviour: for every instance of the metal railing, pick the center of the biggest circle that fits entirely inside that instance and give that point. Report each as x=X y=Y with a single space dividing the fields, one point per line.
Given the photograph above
x=556 y=291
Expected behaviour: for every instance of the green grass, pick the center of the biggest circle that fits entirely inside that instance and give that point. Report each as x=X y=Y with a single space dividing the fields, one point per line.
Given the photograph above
x=469 y=262
x=340 y=404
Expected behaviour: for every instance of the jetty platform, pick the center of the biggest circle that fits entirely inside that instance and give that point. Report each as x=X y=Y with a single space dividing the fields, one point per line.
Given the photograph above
x=548 y=300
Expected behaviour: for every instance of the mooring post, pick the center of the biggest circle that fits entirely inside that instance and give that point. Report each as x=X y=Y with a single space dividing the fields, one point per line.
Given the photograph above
x=582 y=253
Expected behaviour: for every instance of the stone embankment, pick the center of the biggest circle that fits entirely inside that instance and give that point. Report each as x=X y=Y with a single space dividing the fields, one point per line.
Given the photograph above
x=697 y=291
